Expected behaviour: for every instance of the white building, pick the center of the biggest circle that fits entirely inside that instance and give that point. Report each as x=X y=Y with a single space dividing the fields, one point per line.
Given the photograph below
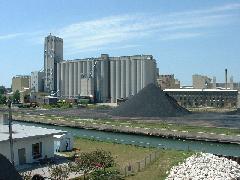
x=30 y=143
x=63 y=142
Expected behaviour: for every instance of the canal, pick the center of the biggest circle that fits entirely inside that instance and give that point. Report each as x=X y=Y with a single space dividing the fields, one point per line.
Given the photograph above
x=148 y=141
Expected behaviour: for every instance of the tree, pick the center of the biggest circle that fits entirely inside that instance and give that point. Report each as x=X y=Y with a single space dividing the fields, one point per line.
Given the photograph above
x=101 y=174
x=16 y=97
x=3 y=99
x=60 y=172
x=2 y=90
x=91 y=161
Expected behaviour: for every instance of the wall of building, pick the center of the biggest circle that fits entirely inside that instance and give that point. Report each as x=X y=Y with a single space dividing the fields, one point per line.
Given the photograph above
x=112 y=77
x=201 y=82
x=168 y=82
x=37 y=81
x=47 y=148
x=20 y=82
x=201 y=98
x=53 y=54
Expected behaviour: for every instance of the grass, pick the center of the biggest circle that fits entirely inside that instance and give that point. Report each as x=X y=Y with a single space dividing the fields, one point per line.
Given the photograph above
x=125 y=154
x=150 y=125
x=160 y=168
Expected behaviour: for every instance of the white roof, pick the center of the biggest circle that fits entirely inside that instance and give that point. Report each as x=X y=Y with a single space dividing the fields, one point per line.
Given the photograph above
x=202 y=90
x=22 y=131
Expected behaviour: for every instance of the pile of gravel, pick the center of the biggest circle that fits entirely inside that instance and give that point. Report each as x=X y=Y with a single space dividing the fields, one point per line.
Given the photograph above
x=151 y=101
x=205 y=166
x=7 y=170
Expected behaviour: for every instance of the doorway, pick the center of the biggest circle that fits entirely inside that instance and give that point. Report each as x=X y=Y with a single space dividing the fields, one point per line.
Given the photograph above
x=22 y=156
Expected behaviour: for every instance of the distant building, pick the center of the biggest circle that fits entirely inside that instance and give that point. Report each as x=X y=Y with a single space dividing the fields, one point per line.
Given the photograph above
x=105 y=78
x=204 y=97
x=20 y=83
x=201 y=82
x=37 y=81
x=168 y=82
x=30 y=144
x=53 y=54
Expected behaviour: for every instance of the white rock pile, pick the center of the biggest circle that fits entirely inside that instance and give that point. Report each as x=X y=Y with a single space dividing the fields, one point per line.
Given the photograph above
x=205 y=166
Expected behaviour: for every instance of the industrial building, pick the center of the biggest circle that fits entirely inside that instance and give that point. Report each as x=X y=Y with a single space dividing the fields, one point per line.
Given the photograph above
x=53 y=54
x=168 y=81
x=37 y=81
x=201 y=82
x=105 y=78
x=20 y=82
x=205 y=97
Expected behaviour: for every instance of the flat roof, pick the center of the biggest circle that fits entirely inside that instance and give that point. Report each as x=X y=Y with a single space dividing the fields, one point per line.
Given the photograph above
x=202 y=90
x=22 y=131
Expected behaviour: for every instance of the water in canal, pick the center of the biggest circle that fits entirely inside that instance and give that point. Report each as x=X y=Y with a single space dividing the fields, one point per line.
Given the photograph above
x=149 y=141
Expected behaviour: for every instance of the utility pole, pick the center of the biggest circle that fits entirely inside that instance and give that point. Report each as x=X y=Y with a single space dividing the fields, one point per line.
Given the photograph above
x=9 y=102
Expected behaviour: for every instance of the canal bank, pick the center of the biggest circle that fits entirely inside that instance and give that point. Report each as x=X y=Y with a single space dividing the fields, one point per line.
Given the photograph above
x=226 y=149
x=159 y=132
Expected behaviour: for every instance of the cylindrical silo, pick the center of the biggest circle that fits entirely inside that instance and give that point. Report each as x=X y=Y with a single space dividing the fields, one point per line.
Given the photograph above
x=118 y=78
x=134 y=77
x=58 y=77
x=104 y=78
x=66 y=79
x=62 y=84
x=75 y=77
x=144 y=74
x=123 y=78
x=128 y=77
x=70 y=79
x=113 y=81
x=139 y=75
x=79 y=76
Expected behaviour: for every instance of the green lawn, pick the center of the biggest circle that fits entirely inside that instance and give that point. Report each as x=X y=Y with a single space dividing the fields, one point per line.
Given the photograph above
x=125 y=154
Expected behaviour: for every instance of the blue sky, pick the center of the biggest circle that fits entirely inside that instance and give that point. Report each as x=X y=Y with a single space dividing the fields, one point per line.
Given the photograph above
x=185 y=37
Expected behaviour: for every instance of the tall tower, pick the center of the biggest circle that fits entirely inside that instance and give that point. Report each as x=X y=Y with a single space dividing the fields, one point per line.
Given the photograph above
x=53 y=54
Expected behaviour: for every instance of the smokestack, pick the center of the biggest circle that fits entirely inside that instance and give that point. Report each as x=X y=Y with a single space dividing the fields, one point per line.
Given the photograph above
x=225 y=78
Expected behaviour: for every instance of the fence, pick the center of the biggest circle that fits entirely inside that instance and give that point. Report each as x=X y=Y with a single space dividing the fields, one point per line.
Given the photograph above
x=138 y=166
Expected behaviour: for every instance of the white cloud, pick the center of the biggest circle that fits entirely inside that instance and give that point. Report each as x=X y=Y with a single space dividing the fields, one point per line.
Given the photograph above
x=114 y=31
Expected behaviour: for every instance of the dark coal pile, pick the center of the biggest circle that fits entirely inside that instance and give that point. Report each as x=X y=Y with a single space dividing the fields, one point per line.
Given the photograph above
x=151 y=101
x=7 y=170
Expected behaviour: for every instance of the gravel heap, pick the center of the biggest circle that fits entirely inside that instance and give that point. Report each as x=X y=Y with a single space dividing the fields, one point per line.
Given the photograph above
x=151 y=101
x=205 y=166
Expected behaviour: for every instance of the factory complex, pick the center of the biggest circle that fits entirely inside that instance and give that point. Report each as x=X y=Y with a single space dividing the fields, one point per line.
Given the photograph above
x=107 y=79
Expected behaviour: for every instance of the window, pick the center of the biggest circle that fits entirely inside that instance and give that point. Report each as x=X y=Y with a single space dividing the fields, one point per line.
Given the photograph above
x=37 y=150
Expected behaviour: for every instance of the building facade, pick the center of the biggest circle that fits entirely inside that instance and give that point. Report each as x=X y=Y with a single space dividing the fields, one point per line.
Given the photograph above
x=106 y=78
x=201 y=82
x=20 y=83
x=53 y=54
x=37 y=81
x=192 y=98
x=168 y=82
